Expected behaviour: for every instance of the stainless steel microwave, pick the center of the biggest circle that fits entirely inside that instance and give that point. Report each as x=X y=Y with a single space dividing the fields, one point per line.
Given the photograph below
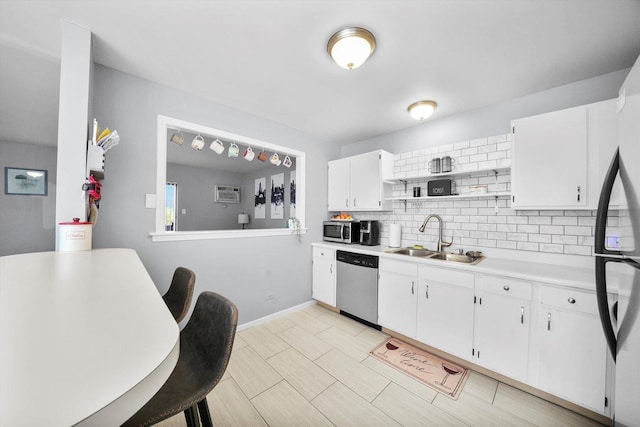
x=341 y=231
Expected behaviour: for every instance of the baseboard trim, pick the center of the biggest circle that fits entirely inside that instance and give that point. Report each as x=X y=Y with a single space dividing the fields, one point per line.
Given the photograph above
x=272 y=316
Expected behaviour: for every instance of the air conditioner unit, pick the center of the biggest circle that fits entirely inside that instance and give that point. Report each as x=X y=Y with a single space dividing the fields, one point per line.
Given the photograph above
x=227 y=194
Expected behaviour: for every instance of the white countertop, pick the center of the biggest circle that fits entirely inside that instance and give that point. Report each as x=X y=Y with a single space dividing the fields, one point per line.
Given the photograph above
x=85 y=338
x=582 y=276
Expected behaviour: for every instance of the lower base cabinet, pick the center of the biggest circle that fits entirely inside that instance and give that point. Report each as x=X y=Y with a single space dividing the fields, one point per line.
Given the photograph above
x=397 y=296
x=445 y=311
x=569 y=357
x=546 y=336
x=323 y=286
x=502 y=322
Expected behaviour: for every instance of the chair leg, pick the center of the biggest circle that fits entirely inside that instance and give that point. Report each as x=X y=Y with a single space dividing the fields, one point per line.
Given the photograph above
x=191 y=416
x=205 y=415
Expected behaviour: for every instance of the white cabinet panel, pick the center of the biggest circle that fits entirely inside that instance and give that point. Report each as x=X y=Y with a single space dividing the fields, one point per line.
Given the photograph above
x=445 y=316
x=570 y=360
x=324 y=276
x=549 y=166
x=397 y=296
x=502 y=323
x=357 y=183
x=339 y=184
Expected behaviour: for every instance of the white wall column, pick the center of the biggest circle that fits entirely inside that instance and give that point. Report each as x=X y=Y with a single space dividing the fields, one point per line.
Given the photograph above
x=73 y=122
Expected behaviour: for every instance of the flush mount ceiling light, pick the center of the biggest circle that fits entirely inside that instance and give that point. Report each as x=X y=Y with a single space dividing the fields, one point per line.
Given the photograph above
x=422 y=109
x=351 y=46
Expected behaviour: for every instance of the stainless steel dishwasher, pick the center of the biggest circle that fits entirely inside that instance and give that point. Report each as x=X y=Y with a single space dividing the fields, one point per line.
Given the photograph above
x=357 y=287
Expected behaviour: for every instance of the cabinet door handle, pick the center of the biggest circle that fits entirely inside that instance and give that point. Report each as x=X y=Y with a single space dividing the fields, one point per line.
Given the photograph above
x=426 y=292
x=346 y=202
x=522 y=314
x=578 y=193
x=506 y=287
x=412 y=286
x=354 y=202
x=548 y=321
x=571 y=300
x=331 y=268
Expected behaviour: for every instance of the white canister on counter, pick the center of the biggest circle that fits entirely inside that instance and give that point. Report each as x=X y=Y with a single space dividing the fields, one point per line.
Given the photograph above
x=395 y=235
x=74 y=236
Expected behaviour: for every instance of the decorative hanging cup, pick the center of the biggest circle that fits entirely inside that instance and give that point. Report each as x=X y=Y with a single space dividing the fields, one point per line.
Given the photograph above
x=275 y=159
x=177 y=138
x=197 y=143
x=217 y=146
x=233 y=150
x=262 y=156
x=287 y=161
x=248 y=154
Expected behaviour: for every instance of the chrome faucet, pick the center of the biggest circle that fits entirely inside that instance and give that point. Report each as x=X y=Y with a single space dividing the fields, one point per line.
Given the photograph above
x=424 y=225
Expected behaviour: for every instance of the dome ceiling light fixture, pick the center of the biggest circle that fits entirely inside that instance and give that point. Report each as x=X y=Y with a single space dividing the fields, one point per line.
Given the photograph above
x=351 y=46
x=422 y=109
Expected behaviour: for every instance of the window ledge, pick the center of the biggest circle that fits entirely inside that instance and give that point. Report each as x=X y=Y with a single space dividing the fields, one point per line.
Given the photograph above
x=173 y=236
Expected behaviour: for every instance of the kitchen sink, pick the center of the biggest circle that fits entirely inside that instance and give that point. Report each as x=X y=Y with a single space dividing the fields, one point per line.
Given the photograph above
x=411 y=252
x=443 y=256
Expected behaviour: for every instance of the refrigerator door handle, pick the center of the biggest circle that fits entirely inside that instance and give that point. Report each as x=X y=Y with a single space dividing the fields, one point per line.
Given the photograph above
x=599 y=248
x=603 y=304
x=603 y=207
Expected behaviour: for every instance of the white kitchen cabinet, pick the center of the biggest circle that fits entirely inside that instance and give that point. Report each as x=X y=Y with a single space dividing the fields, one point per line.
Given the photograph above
x=445 y=310
x=397 y=296
x=360 y=183
x=549 y=164
x=570 y=357
x=602 y=141
x=502 y=323
x=324 y=276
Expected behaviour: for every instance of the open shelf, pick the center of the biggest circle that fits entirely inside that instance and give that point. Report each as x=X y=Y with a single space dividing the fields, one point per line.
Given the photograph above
x=494 y=196
x=404 y=179
x=455 y=196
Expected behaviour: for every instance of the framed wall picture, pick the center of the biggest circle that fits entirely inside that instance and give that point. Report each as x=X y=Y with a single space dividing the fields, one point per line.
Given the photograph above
x=260 y=198
x=22 y=181
x=277 y=196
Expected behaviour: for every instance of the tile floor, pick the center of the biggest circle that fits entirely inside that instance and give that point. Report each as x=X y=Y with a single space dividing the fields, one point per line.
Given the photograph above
x=312 y=367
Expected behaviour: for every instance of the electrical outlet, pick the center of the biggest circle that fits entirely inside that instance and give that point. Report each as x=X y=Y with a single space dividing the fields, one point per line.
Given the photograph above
x=269 y=297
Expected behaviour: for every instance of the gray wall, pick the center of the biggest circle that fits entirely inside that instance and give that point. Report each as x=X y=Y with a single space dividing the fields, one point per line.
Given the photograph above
x=27 y=223
x=493 y=119
x=248 y=205
x=244 y=269
x=196 y=194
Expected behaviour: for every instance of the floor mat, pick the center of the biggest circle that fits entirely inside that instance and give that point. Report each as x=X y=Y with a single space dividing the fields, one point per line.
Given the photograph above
x=444 y=376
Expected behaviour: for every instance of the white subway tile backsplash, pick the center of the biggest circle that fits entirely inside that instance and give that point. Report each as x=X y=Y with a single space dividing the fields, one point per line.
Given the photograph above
x=478 y=142
x=506 y=244
x=471 y=222
x=531 y=229
x=564 y=220
x=469 y=151
x=565 y=240
x=540 y=220
x=552 y=248
x=461 y=145
x=527 y=246
x=578 y=231
x=552 y=229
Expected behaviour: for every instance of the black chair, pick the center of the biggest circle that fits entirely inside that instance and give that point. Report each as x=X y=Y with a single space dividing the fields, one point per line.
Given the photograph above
x=178 y=297
x=205 y=349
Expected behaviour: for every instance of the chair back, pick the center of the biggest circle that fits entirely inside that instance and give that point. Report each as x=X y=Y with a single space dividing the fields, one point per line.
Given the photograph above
x=208 y=338
x=178 y=297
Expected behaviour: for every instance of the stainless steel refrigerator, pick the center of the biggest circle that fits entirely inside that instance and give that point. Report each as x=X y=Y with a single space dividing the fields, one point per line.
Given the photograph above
x=617 y=255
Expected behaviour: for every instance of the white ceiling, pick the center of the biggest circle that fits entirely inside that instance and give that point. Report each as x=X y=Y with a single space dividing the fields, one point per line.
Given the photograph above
x=268 y=57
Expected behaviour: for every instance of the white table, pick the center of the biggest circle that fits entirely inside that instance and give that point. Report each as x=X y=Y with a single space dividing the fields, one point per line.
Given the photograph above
x=85 y=338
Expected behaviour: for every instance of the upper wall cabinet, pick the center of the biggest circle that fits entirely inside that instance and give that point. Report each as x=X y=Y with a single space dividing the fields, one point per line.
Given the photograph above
x=549 y=165
x=560 y=158
x=357 y=183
